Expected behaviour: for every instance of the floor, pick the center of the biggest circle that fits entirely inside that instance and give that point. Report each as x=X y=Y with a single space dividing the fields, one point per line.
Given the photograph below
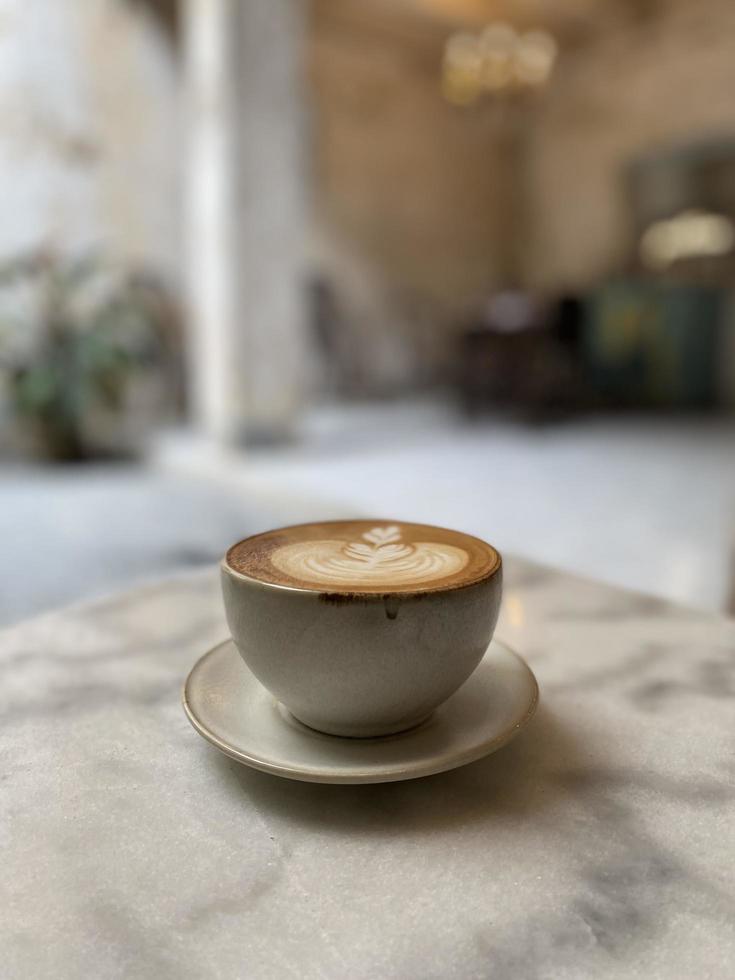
x=647 y=503
x=79 y=532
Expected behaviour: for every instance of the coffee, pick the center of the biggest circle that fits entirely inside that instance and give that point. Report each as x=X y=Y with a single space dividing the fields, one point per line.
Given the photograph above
x=364 y=556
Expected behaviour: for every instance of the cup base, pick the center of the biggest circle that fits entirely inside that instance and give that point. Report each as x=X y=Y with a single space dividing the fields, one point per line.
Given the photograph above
x=355 y=731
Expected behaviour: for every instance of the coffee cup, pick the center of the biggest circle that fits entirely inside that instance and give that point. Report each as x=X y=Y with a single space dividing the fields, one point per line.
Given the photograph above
x=362 y=628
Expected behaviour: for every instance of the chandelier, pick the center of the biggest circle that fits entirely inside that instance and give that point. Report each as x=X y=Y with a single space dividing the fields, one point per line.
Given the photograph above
x=497 y=60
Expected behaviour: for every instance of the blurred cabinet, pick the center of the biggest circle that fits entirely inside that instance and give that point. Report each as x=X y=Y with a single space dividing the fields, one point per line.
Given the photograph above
x=651 y=344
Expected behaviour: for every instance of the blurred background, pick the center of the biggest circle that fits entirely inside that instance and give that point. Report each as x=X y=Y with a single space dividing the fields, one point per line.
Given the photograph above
x=470 y=262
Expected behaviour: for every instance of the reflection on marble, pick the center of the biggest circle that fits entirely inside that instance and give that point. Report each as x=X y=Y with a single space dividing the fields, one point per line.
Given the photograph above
x=599 y=844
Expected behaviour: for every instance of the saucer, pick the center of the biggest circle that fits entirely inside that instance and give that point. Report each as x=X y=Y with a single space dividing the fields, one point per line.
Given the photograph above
x=232 y=710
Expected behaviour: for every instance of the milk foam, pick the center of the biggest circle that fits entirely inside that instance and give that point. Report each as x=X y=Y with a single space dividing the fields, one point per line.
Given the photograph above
x=380 y=558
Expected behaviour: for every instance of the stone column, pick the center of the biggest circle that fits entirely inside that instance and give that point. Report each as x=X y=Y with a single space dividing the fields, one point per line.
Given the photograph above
x=245 y=217
x=211 y=206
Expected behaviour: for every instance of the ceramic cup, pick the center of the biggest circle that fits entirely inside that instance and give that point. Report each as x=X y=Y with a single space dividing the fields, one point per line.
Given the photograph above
x=362 y=628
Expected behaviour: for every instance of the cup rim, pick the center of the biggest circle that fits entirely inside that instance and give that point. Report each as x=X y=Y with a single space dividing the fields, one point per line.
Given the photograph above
x=346 y=595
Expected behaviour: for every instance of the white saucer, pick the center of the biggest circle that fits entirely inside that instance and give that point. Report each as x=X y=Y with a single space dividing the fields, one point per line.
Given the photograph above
x=232 y=710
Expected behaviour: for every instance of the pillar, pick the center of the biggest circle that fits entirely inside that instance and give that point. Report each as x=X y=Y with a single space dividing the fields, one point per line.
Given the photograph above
x=245 y=217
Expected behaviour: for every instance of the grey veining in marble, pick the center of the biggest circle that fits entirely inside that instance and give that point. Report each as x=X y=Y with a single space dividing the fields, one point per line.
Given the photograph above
x=601 y=843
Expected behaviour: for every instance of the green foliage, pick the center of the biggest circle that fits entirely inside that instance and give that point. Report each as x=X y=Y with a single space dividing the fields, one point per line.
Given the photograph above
x=72 y=334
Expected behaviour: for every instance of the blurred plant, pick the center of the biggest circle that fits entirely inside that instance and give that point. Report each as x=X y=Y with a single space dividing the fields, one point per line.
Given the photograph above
x=73 y=333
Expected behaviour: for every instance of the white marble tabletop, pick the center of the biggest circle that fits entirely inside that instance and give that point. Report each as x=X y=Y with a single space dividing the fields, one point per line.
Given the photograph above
x=601 y=843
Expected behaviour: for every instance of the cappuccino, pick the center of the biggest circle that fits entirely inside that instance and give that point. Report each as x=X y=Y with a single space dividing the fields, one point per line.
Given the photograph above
x=364 y=557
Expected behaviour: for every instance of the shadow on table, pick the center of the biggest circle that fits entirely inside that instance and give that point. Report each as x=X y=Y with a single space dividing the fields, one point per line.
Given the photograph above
x=512 y=783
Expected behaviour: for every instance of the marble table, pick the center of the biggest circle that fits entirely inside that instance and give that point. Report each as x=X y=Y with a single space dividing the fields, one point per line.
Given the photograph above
x=601 y=843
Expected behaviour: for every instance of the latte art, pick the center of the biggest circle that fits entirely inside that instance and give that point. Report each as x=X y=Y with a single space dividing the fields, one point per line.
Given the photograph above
x=364 y=557
x=380 y=559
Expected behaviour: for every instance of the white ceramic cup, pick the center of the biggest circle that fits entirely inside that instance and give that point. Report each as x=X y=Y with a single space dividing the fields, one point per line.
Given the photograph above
x=361 y=663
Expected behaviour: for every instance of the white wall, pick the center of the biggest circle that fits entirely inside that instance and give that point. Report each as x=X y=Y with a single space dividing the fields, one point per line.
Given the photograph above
x=88 y=131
